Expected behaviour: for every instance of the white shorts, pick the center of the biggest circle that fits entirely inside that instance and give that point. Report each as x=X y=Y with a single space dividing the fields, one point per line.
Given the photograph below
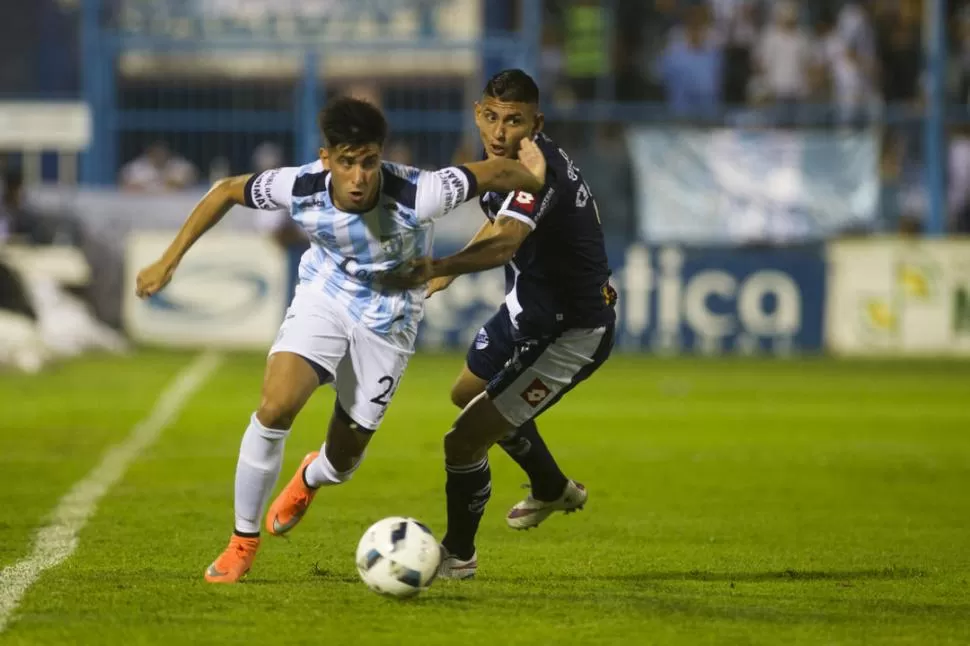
x=366 y=367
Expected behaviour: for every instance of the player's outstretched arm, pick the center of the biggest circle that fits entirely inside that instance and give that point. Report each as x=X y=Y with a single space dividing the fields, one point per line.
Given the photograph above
x=440 y=283
x=493 y=246
x=223 y=195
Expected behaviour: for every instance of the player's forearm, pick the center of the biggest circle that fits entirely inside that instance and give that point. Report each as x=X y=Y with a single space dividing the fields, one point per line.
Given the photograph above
x=479 y=255
x=483 y=233
x=204 y=216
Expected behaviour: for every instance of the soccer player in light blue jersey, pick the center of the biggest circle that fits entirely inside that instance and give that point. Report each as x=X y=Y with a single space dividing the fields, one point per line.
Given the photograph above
x=365 y=218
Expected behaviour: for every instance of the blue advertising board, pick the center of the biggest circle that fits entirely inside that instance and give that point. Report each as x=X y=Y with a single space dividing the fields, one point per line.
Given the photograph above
x=676 y=299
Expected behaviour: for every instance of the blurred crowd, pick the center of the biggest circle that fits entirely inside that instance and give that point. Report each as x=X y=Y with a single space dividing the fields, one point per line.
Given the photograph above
x=738 y=63
x=703 y=55
x=771 y=63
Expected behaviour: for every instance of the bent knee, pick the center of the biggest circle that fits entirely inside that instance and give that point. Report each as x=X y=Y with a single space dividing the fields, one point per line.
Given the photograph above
x=276 y=412
x=462 y=393
x=460 y=397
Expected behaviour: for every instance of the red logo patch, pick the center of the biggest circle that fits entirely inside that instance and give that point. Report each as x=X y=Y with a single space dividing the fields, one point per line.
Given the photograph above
x=535 y=393
x=525 y=201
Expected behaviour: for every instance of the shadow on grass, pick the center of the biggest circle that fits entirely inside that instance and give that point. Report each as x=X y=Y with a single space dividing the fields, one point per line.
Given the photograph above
x=775 y=576
x=330 y=576
x=638 y=592
x=781 y=576
x=333 y=577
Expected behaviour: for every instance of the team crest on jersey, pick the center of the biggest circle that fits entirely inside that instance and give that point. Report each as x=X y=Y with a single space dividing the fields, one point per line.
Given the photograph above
x=525 y=201
x=481 y=339
x=535 y=393
x=325 y=238
x=392 y=245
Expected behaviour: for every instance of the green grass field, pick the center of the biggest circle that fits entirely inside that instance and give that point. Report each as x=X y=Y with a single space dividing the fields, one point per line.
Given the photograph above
x=731 y=501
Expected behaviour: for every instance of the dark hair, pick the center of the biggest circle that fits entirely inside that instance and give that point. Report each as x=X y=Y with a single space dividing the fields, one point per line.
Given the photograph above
x=352 y=122
x=514 y=86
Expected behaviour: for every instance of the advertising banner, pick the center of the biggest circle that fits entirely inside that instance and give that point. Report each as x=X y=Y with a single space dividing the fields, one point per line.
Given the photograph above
x=899 y=297
x=674 y=299
x=229 y=292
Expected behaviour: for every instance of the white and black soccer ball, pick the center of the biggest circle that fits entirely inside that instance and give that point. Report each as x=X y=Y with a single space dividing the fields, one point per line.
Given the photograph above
x=398 y=557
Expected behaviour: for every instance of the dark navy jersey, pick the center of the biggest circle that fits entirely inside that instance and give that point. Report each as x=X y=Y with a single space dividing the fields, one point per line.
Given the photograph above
x=559 y=277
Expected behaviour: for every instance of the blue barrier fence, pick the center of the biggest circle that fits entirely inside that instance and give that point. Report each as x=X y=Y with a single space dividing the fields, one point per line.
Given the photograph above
x=154 y=74
x=676 y=300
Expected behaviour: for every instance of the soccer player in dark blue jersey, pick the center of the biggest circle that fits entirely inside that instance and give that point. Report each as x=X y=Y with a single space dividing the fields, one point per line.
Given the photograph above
x=553 y=331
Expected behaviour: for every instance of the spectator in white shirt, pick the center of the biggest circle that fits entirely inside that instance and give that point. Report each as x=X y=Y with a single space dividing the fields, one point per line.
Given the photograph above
x=846 y=73
x=784 y=57
x=157 y=170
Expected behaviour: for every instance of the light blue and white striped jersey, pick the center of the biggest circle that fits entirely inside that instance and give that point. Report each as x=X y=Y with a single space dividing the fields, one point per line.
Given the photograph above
x=347 y=250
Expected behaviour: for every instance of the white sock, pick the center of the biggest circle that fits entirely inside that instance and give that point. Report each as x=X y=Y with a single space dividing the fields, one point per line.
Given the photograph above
x=260 y=460
x=320 y=473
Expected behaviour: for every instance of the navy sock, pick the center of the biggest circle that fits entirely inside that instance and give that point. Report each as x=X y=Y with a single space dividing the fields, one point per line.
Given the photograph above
x=468 y=489
x=530 y=452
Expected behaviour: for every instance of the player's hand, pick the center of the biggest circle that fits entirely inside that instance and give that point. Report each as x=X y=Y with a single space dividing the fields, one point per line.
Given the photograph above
x=153 y=278
x=532 y=158
x=410 y=275
x=438 y=284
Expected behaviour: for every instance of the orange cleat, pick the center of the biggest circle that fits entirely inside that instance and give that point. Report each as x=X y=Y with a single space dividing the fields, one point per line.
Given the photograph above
x=289 y=507
x=234 y=562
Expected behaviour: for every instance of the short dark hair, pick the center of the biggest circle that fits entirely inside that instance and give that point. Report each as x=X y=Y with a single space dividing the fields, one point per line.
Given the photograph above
x=514 y=86
x=352 y=122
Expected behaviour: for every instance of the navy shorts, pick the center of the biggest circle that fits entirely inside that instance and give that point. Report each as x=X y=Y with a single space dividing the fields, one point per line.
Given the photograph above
x=527 y=375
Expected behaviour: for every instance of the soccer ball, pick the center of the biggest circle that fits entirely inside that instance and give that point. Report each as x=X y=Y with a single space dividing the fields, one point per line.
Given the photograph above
x=398 y=557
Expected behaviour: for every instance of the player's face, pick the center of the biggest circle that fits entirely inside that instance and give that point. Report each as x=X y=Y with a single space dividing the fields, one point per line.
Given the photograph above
x=356 y=175
x=503 y=125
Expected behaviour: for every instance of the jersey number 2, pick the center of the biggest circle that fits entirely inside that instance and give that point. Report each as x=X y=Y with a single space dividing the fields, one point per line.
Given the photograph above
x=385 y=397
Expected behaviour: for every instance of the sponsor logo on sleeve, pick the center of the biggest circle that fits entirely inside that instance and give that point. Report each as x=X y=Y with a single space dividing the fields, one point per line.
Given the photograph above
x=535 y=393
x=525 y=201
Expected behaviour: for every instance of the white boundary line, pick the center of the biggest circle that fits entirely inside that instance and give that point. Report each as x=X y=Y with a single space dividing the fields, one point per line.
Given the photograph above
x=57 y=540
